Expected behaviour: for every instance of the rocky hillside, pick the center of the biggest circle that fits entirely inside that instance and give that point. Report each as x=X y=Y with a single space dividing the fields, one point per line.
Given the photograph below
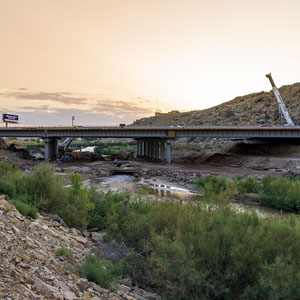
x=257 y=108
x=31 y=269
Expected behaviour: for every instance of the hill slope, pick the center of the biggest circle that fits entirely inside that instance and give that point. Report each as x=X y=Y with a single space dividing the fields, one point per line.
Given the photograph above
x=256 y=108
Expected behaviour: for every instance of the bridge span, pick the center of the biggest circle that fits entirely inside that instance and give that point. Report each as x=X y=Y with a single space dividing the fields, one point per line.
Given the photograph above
x=152 y=141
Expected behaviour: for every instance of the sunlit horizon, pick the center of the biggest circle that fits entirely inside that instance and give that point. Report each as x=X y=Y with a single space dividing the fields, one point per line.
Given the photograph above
x=116 y=61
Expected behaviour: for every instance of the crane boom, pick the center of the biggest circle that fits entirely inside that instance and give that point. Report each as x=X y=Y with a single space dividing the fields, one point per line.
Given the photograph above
x=282 y=108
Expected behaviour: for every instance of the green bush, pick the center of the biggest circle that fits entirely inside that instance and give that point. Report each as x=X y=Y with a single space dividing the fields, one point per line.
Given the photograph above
x=110 y=150
x=217 y=189
x=248 y=185
x=7 y=169
x=7 y=188
x=281 y=193
x=63 y=251
x=46 y=191
x=191 y=252
x=25 y=209
x=76 y=212
x=104 y=273
x=134 y=266
x=144 y=190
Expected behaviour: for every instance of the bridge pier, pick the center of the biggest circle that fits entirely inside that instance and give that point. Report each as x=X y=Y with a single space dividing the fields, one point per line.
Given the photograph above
x=155 y=149
x=142 y=148
x=151 y=149
x=168 y=156
x=138 y=149
x=51 y=147
x=163 y=151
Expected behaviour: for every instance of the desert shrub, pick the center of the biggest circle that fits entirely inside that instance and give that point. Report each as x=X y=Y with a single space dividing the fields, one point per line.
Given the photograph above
x=25 y=209
x=194 y=252
x=134 y=266
x=220 y=254
x=46 y=191
x=217 y=189
x=7 y=188
x=113 y=149
x=104 y=273
x=7 y=169
x=63 y=251
x=281 y=193
x=144 y=190
x=248 y=185
x=105 y=204
x=76 y=212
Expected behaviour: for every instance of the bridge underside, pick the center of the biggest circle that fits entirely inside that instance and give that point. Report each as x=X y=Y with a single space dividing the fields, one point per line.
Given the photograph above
x=155 y=149
x=155 y=142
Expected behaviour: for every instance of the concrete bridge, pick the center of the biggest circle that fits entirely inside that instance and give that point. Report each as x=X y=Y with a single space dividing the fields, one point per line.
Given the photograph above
x=152 y=141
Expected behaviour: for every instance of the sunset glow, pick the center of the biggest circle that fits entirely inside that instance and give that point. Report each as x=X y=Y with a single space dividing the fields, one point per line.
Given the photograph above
x=118 y=60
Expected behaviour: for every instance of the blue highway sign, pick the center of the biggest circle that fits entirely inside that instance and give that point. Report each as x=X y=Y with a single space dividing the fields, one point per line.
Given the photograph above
x=10 y=118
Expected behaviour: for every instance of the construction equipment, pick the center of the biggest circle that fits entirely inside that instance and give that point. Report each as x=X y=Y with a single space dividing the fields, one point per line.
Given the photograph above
x=282 y=108
x=64 y=146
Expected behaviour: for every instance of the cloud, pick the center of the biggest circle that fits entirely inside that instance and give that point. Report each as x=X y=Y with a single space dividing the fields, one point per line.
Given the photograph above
x=43 y=109
x=94 y=109
x=121 y=108
x=61 y=97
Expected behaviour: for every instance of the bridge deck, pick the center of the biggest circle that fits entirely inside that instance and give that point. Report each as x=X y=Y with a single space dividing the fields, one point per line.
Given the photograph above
x=275 y=132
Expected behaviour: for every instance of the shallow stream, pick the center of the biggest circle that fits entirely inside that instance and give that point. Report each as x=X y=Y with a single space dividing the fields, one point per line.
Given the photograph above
x=163 y=189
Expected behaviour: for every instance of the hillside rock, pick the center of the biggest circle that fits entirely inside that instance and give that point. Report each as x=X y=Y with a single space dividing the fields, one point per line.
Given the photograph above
x=30 y=269
x=252 y=109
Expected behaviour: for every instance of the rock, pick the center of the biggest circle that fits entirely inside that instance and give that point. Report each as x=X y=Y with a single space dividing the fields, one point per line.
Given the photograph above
x=44 y=288
x=16 y=230
x=86 y=296
x=93 y=229
x=58 y=219
x=126 y=281
x=68 y=295
x=85 y=233
x=29 y=267
x=80 y=239
x=97 y=237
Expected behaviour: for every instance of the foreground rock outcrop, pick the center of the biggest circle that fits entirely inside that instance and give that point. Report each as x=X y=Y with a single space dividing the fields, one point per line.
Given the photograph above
x=30 y=268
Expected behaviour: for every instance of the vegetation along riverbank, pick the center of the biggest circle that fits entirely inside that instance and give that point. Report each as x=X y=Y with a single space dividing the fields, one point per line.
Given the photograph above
x=190 y=251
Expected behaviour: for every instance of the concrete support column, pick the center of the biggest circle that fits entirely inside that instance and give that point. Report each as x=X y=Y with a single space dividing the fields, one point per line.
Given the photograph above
x=163 y=151
x=151 y=149
x=148 y=149
x=138 y=149
x=143 y=148
x=156 y=151
x=168 y=158
x=51 y=148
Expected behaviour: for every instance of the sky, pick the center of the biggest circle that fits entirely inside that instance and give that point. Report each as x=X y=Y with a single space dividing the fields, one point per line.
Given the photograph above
x=113 y=61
